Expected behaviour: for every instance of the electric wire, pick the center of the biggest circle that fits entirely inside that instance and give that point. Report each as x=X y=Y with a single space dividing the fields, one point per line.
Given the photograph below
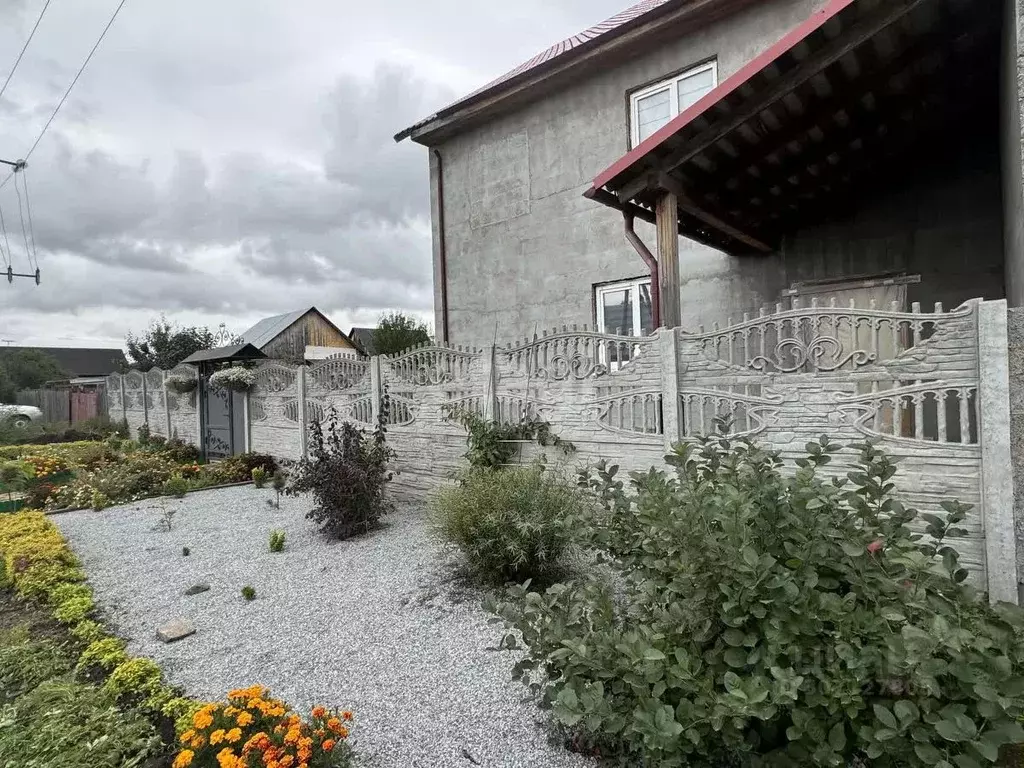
x=70 y=87
x=9 y=258
x=23 y=49
x=24 y=231
x=28 y=210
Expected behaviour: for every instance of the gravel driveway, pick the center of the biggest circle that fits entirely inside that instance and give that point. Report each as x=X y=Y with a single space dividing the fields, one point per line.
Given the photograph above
x=368 y=624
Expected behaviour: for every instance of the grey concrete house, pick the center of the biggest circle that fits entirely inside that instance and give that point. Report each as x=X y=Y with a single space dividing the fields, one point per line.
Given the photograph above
x=767 y=150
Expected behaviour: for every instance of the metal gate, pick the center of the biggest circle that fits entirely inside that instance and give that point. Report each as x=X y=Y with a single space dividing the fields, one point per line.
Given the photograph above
x=223 y=423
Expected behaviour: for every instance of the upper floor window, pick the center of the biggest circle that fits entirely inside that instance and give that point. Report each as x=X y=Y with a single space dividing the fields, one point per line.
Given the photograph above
x=654 y=106
x=624 y=309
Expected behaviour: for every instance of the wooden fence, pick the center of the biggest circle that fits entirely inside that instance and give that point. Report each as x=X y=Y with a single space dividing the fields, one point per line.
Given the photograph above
x=67 y=405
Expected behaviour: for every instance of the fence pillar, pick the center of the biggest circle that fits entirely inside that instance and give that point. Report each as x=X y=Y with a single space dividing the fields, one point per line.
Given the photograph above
x=124 y=405
x=300 y=380
x=376 y=388
x=145 y=405
x=671 y=406
x=246 y=422
x=996 y=461
x=490 y=402
x=167 y=406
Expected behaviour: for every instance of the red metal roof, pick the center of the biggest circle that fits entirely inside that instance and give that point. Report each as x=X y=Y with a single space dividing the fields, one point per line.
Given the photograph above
x=614 y=24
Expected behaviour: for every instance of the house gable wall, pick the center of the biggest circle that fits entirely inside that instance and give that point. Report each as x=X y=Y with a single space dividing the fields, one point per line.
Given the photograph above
x=312 y=329
x=525 y=249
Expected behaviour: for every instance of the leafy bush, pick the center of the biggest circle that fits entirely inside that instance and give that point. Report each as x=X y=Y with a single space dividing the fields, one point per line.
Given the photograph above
x=106 y=653
x=511 y=525
x=238 y=469
x=347 y=473
x=493 y=444
x=138 y=681
x=253 y=729
x=88 y=631
x=73 y=610
x=762 y=619
x=277 y=541
x=176 y=486
x=180 y=452
x=259 y=477
x=65 y=723
x=249 y=593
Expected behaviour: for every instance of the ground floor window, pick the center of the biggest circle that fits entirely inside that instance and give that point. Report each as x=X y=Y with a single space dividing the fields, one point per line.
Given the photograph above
x=625 y=309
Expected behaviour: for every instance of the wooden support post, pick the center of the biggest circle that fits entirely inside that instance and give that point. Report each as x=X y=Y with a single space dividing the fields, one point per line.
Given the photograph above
x=667 y=211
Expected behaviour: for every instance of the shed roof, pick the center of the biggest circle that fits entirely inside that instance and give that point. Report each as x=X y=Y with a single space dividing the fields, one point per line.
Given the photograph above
x=269 y=328
x=363 y=338
x=225 y=354
x=851 y=93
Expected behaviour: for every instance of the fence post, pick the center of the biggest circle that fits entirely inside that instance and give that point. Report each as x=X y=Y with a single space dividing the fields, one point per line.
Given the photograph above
x=996 y=460
x=376 y=388
x=145 y=405
x=124 y=405
x=490 y=404
x=671 y=406
x=246 y=422
x=303 y=421
x=167 y=405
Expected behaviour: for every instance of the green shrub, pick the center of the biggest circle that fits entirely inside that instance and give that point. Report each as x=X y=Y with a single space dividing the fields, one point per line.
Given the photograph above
x=176 y=486
x=249 y=592
x=88 y=631
x=238 y=469
x=99 y=500
x=259 y=477
x=769 y=619
x=64 y=723
x=65 y=592
x=493 y=444
x=138 y=680
x=25 y=663
x=277 y=541
x=74 y=609
x=106 y=653
x=510 y=525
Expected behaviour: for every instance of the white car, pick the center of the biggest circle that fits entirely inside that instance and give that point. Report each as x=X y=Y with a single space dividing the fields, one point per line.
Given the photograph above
x=19 y=415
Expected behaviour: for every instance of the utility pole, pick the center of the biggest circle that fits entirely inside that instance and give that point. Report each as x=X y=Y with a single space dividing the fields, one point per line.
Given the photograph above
x=19 y=165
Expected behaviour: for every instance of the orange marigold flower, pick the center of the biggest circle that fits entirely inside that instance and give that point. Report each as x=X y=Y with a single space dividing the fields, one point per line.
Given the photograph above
x=304 y=754
x=319 y=733
x=235 y=734
x=292 y=737
x=184 y=759
x=217 y=737
x=319 y=711
x=245 y=719
x=343 y=732
x=334 y=724
x=187 y=736
x=231 y=711
x=202 y=720
x=346 y=715
x=198 y=741
x=286 y=761
x=226 y=758
x=328 y=745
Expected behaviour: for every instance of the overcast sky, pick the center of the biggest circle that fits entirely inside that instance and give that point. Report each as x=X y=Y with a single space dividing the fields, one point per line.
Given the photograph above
x=224 y=161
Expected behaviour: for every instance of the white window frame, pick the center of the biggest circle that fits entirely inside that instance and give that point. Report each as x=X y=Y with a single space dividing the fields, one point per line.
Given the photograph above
x=672 y=84
x=632 y=285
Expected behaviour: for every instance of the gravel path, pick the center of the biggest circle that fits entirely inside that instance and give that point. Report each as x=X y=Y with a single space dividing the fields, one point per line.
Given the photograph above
x=368 y=624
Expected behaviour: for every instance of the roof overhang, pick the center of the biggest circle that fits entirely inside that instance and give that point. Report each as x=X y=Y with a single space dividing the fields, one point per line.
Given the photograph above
x=662 y=24
x=234 y=353
x=847 y=93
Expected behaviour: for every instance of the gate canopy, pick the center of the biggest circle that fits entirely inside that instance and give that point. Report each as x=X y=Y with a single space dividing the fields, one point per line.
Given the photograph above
x=236 y=352
x=834 y=109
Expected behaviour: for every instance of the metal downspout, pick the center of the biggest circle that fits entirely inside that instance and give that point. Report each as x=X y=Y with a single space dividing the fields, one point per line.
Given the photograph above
x=442 y=253
x=650 y=261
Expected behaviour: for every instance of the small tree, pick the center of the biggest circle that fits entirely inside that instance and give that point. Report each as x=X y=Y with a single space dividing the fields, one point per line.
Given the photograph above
x=397 y=332
x=164 y=344
x=26 y=369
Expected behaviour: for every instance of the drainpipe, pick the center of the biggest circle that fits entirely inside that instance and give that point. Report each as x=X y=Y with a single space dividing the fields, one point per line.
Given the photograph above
x=650 y=261
x=442 y=253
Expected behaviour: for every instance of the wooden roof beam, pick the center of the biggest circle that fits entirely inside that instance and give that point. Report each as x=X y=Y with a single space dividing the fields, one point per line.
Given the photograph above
x=699 y=211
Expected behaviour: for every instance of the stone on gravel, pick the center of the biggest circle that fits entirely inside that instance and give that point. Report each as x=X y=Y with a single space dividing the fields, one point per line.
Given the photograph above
x=175 y=630
x=198 y=589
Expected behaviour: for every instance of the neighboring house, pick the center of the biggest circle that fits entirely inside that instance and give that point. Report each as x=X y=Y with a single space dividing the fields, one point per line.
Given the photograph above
x=82 y=366
x=854 y=149
x=300 y=336
x=363 y=337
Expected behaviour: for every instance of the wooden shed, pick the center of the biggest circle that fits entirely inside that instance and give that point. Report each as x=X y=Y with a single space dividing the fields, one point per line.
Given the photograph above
x=286 y=337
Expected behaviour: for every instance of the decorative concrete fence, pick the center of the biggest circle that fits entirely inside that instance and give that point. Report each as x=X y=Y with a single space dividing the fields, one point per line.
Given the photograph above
x=932 y=388
x=144 y=398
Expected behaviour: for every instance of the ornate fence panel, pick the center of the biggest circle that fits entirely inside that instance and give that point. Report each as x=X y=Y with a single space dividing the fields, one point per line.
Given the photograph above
x=344 y=384
x=274 y=405
x=907 y=379
x=183 y=408
x=156 y=403
x=115 y=403
x=135 y=400
x=423 y=387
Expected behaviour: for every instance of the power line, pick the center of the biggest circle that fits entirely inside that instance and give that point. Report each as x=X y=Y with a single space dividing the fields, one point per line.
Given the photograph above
x=28 y=210
x=7 y=243
x=68 y=91
x=23 y=49
x=24 y=232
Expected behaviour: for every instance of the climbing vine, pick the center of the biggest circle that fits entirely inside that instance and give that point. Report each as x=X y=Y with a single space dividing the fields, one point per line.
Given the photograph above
x=492 y=444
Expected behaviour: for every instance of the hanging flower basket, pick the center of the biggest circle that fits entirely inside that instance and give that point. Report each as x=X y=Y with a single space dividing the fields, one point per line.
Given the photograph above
x=181 y=385
x=234 y=379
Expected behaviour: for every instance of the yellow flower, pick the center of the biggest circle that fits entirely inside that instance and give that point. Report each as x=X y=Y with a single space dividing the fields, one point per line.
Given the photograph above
x=231 y=711
x=227 y=759
x=184 y=759
x=244 y=719
x=187 y=736
x=202 y=719
x=217 y=737
x=234 y=735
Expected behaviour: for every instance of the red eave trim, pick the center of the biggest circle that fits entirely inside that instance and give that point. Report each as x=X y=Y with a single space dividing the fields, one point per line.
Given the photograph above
x=815 y=22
